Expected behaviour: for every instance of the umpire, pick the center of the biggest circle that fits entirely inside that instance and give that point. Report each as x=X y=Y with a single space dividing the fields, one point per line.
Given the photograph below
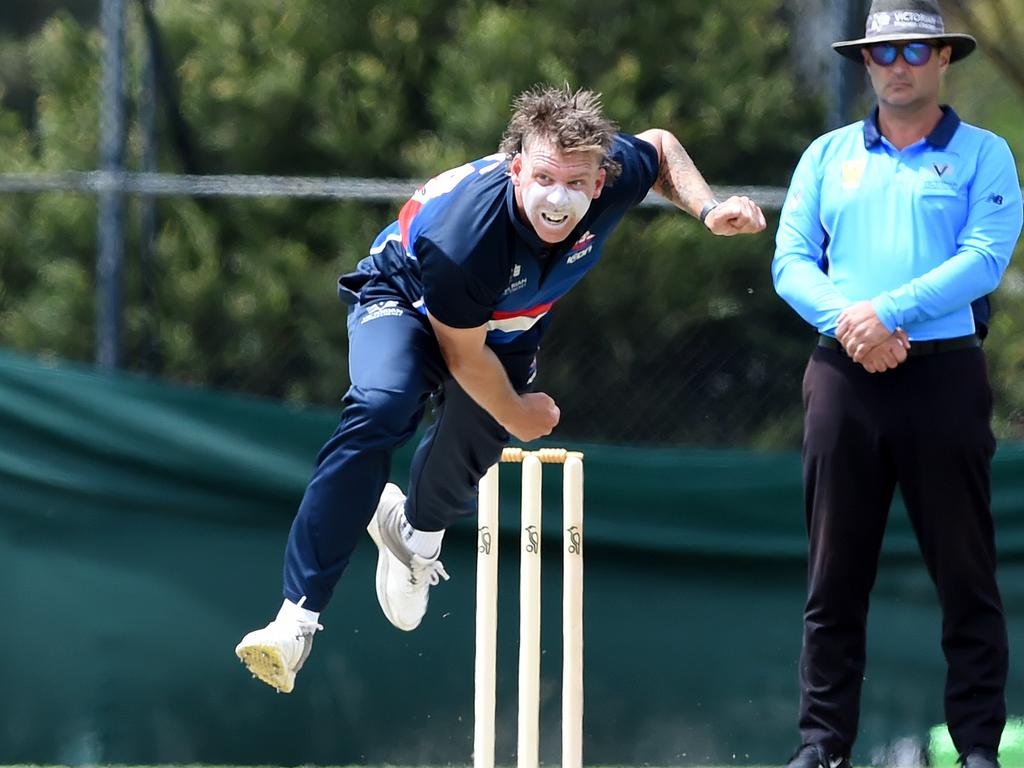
x=892 y=227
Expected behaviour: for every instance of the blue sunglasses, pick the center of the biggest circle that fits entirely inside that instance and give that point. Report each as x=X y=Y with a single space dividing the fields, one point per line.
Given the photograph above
x=915 y=54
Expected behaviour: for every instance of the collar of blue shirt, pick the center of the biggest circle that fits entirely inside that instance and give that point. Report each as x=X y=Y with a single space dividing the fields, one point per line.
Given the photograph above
x=940 y=136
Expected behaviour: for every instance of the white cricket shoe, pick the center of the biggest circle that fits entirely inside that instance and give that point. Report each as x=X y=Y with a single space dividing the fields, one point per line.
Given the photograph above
x=277 y=652
x=404 y=578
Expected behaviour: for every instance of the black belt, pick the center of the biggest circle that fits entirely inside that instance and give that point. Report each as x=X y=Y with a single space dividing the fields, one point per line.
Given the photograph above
x=930 y=347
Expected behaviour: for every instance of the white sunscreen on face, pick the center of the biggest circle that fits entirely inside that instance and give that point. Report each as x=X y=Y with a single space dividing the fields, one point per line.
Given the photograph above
x=554 y=206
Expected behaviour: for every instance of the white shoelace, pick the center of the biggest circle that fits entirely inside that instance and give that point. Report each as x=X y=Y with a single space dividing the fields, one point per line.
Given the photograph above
x=431 y=571
x=307 y=627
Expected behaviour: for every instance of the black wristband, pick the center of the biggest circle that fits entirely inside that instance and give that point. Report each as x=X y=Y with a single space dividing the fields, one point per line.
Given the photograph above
x=711 y=205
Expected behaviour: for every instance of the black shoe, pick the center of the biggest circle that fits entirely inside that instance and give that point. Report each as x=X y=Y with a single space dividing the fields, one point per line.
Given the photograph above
x=815 y=756
x=979 y=757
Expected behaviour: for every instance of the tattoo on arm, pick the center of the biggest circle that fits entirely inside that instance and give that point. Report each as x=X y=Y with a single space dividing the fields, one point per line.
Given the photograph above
x=679 y=181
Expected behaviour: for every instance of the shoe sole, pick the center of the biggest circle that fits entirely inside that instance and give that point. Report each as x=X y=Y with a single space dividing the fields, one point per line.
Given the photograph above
x=383 y=565
x=267 y=665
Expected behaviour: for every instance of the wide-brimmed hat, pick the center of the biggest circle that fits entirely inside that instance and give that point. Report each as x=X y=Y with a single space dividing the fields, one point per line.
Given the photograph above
x=906 y=20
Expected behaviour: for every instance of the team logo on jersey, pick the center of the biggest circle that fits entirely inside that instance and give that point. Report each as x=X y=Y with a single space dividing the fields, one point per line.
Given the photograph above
x=853 y=172
x=581 y=248
x=585 y=238
x=939 y=178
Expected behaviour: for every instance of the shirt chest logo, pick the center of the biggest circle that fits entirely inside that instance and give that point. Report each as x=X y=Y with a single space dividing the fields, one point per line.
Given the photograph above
x=581 y=248
x=515 y=282
x=938 y=178
x=852 y=173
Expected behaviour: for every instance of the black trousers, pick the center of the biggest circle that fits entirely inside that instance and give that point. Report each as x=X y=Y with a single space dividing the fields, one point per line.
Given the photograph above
x=924 y=426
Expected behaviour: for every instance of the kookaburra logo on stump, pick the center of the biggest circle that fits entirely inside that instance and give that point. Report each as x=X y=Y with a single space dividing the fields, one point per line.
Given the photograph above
x=575 y=540
x=532 y=539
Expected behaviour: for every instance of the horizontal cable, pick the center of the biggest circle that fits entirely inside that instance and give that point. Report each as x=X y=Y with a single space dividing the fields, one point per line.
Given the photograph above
x=235 y=185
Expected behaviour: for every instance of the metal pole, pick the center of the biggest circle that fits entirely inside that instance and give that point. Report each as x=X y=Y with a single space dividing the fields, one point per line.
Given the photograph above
x=109 y=235
x=147 y=203
x=850 y=20
x=836 y=17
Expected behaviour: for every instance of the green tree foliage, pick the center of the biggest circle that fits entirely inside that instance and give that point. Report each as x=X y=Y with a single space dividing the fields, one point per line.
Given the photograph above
x=47 y=242
x=678 y=336
x=998 y=26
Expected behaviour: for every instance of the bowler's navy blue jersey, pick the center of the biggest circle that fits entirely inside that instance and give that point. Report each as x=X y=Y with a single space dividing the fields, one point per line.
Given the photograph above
x=461 y=250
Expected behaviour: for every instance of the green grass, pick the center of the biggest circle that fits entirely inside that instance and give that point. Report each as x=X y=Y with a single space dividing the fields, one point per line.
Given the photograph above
x=1011 y=748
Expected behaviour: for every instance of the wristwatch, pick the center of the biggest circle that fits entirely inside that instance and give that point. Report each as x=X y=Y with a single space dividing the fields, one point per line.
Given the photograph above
x=711 y=205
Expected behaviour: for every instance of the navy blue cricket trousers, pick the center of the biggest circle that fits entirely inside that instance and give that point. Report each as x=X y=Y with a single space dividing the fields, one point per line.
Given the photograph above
x=396 y=369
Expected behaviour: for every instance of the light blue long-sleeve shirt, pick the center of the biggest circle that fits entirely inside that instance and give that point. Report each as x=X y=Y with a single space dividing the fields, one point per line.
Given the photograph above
x=920 y=232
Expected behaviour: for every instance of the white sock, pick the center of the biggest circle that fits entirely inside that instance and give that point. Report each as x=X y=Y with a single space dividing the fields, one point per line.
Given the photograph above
x=426 y=544
x=295 y=612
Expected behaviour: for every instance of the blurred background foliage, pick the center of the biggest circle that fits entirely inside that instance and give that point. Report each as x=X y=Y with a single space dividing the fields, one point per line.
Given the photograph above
x=677 y=338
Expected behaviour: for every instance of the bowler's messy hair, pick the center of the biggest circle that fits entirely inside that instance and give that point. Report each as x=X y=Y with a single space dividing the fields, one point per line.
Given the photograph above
x=572 y=121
